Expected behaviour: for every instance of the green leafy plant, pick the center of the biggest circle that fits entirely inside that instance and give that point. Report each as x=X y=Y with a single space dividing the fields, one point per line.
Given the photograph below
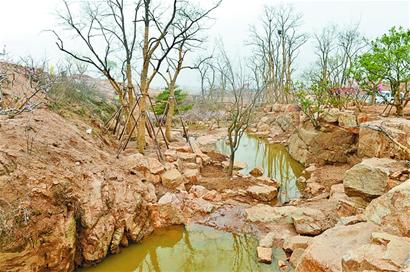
x=162 y=99
x=312 y=100
x=388 y=59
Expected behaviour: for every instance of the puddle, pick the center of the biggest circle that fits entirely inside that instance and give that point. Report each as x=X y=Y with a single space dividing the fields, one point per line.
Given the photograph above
x=273 y=158
x=192 y=248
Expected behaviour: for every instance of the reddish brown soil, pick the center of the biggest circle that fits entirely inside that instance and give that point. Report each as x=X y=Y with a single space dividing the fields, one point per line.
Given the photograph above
x=329 y=175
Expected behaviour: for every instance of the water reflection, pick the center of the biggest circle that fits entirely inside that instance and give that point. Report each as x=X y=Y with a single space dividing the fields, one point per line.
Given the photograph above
x=196 y=248
x=273 y=158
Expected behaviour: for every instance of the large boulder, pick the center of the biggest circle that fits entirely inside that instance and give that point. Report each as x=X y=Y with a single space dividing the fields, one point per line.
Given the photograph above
x=237 y=165
x=276 y=239
x=347 y=119
x=256 y=172
x=297 y=242
x=331 y=115
x=306 y=220
x=300 y=142
x=264 y=254
x=191 y=175
x=392 y=210
x=207 y=140
x=330 y=144
x=369 y=179
x=172 y=179
x=373 y=143
x=385 y=253
x=147 y=164
x=326 y=251
x=263 y=192
x=265 y=214
x=311 y=222
x=168 y=211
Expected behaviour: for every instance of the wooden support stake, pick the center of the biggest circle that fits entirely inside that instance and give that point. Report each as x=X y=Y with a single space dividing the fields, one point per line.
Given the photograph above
x=159 y=124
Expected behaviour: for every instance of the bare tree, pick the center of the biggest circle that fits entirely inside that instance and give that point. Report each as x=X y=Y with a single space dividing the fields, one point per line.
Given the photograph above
x=207 y=72
x=241 y=108
x=350 y=43
x=103 y=28
x=277 y=41
x=336 y=51
x=266 y=43
x=294 y=42
x=109 y=32
x=325 y=45
x=190 y=40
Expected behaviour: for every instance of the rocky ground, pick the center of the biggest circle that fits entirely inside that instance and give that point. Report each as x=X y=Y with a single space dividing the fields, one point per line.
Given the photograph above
x=356 y=192
x=67 y=201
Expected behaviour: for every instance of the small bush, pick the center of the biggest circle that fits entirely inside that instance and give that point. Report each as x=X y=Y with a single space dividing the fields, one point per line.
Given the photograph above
x=162 y=99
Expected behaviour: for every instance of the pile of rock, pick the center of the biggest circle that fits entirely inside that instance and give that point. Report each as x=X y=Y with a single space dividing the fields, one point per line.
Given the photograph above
x=183 y=207
x=183 y=164
x=381 y=243
x=278 y=124
x=293 y=225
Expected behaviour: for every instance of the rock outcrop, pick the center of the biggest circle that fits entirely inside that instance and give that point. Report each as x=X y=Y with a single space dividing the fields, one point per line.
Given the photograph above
x=71 y=202
x=380 y=244
x=311 y=222
x=307 y=221
x=277 y=125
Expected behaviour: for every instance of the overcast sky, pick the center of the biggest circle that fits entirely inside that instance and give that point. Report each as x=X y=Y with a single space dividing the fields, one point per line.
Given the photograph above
x=22 y=22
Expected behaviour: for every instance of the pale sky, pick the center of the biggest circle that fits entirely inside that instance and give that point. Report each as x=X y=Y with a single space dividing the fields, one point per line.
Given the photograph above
x=22 y=22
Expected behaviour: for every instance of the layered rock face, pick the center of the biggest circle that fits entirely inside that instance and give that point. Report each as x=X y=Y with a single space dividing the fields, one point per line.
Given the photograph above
x=373 y=143
x=65 y=200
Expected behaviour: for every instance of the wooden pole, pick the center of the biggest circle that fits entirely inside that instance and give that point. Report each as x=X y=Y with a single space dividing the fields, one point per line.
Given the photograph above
x=159 y=124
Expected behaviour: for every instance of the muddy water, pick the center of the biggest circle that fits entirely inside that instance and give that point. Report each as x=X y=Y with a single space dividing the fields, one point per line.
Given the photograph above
x=273 y=158
x=194 y=248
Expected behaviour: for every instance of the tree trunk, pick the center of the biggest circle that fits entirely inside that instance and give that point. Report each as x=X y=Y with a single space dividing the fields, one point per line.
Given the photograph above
x=282 y=79
x=144 y=85
x=131 y=95
x=141 y=121
x=373 y=101
x=397 y=101
x=170 y=113
x=231 y=163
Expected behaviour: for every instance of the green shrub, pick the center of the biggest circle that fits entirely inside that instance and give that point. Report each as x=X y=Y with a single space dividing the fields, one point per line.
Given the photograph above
x=162 y=99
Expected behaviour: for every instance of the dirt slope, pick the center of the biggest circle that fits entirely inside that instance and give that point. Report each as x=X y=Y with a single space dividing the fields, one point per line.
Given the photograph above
x=65 y=199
